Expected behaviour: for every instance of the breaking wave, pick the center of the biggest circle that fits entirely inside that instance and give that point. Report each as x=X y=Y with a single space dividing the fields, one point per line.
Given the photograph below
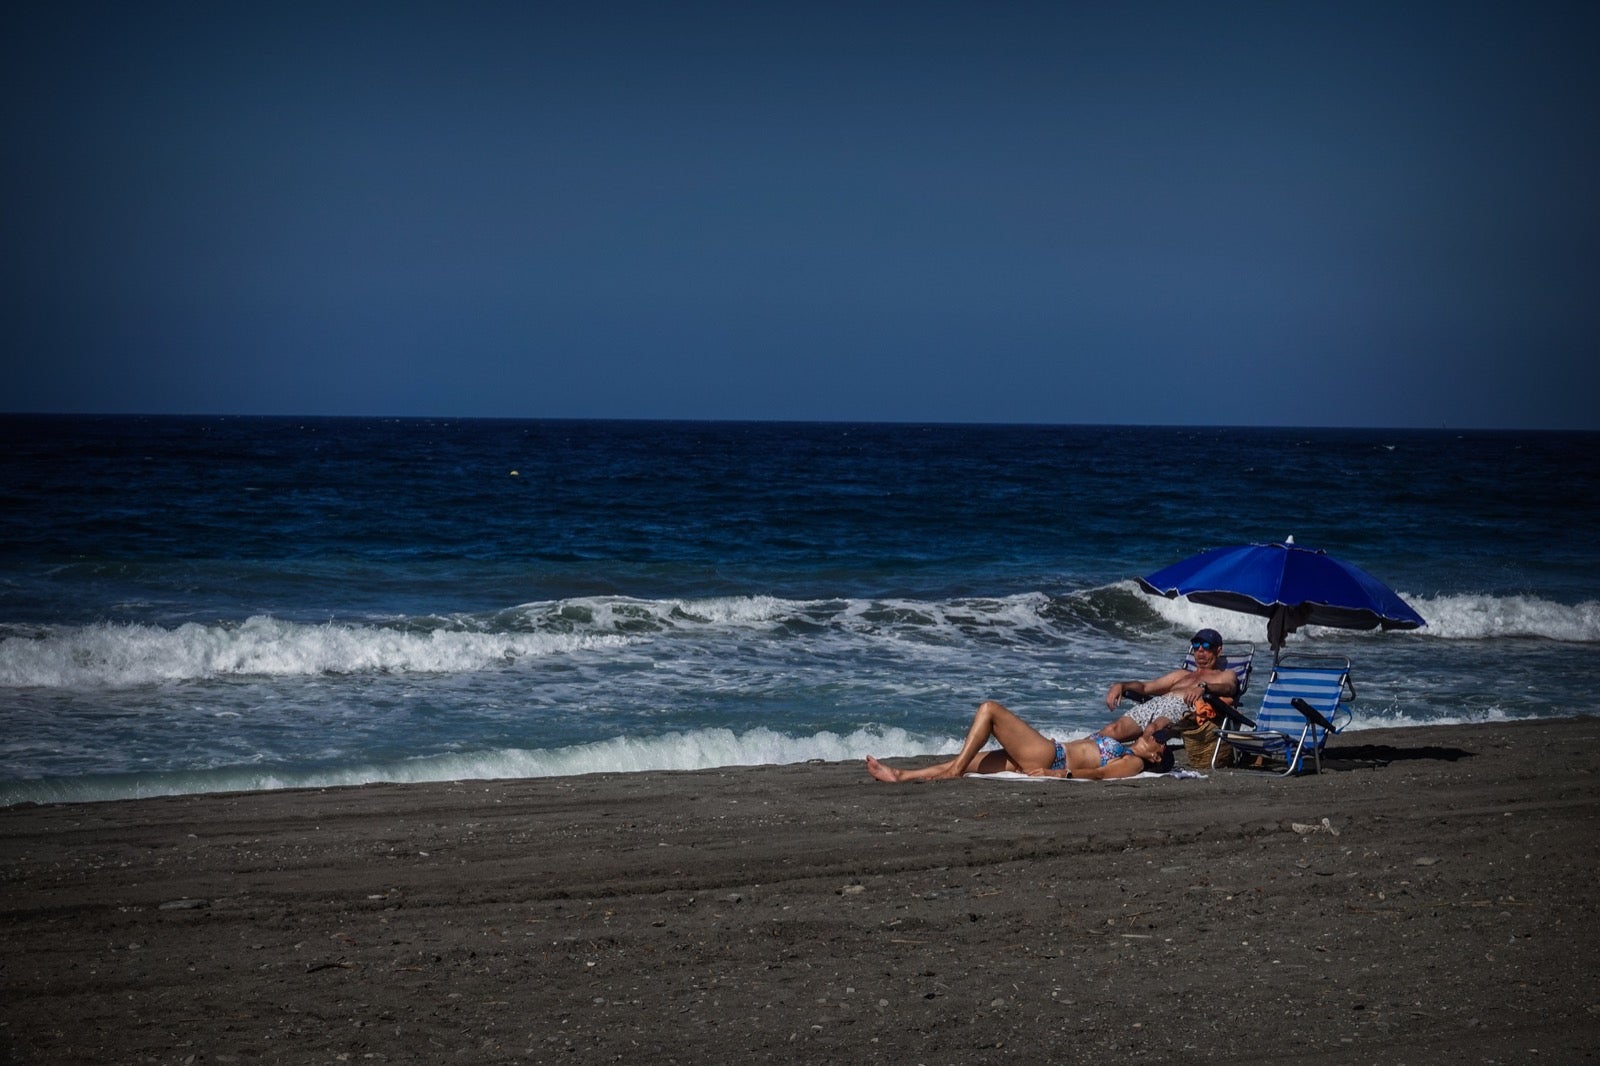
x=1473 y=617
x=111 y=655
x=697 y=750
x=121 y=656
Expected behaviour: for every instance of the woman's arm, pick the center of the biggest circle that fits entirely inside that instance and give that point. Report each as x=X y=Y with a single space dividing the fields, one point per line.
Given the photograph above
x=1158 y=726
x=1122 y=766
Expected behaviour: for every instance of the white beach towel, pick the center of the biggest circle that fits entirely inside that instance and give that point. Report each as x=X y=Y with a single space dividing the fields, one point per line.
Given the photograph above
x=1012 y=775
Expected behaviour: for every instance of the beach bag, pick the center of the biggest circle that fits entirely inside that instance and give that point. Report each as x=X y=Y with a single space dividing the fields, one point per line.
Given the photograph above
x=1199 y=730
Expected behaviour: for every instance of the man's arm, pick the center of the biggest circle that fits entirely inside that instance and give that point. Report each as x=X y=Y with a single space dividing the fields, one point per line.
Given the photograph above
x=1158 y=687
x=1219 y=682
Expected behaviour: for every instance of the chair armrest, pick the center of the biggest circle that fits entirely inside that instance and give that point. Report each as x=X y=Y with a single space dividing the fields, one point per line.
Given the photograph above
x=1314 y=716
x=1232 y=716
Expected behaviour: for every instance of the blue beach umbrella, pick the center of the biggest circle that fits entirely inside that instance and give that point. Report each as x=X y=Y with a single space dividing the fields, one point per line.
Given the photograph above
x=1288 y=585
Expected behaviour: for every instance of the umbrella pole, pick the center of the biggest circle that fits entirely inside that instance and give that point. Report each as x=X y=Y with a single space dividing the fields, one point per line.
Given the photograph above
x=1277 y=631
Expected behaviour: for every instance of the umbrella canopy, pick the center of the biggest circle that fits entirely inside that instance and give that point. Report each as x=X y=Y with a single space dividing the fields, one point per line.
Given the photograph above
x=1288 y=585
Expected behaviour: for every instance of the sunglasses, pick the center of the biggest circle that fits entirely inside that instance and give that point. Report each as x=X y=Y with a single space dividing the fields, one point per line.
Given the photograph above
x=1206 y=644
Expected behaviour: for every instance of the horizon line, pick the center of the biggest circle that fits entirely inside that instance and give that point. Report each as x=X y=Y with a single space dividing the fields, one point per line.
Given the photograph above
x=692 y=420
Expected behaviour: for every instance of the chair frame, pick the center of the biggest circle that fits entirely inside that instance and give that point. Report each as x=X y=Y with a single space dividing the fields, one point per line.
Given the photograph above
x=1318 y=689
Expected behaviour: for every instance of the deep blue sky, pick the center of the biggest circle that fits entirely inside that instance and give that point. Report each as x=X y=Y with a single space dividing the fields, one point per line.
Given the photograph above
x=1279 y=213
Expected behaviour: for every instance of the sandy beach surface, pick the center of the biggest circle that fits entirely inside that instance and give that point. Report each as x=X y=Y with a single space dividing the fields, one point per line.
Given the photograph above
x=1429 y=898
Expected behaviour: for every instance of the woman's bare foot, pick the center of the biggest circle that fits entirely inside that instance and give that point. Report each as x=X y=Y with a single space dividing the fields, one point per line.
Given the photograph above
x=882 y=772
x=945 y=771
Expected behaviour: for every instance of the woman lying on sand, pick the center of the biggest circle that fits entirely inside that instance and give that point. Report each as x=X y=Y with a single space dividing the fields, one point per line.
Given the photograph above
x=1024 y=749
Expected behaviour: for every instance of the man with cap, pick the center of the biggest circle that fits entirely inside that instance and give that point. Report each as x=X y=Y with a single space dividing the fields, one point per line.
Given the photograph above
x=1174 y=700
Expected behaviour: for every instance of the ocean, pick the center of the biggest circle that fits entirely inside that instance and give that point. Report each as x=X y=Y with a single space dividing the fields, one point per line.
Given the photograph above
x=195 y=604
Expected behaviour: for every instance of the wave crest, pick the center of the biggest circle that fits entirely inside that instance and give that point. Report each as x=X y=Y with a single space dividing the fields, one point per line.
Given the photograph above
x=698 y=750
x=107 y=655
x=1483 y=617
x=1475 y=617
x=114 y=655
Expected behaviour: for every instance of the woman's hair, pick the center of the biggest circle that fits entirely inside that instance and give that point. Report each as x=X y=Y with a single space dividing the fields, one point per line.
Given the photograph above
x=1163 y=763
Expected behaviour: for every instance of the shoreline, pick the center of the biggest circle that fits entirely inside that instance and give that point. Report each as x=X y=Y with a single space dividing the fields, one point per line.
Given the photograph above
x=54 y=791
x=1444 y=912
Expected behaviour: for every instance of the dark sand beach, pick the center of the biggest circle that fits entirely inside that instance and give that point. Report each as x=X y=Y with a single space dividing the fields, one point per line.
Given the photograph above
x=1443 y=913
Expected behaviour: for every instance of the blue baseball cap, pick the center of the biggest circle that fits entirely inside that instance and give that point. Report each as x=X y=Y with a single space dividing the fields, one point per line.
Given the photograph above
x=1207 y=636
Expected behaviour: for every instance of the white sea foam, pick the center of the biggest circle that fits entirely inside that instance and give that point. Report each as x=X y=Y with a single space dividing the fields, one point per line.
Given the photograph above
x=697 y=750
x=1448 y=618
x=110 y=656
x=120 y=656
x=768 y=612
x=1483 y=617
x=1374 y=718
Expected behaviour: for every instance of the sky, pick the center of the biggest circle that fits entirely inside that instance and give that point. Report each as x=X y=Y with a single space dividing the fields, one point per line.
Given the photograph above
x=1284 y=213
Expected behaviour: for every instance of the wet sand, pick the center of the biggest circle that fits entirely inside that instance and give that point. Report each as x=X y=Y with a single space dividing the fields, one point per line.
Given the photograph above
x=1443 y=913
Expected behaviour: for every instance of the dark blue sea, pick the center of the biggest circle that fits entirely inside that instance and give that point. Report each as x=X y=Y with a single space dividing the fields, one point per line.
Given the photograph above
x=202 y=604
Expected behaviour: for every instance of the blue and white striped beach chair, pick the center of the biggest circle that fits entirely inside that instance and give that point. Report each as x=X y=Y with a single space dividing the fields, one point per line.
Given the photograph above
x=1305 y=703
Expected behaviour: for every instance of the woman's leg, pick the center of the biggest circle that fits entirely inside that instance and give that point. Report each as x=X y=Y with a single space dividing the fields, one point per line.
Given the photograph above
x=1025 y=748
